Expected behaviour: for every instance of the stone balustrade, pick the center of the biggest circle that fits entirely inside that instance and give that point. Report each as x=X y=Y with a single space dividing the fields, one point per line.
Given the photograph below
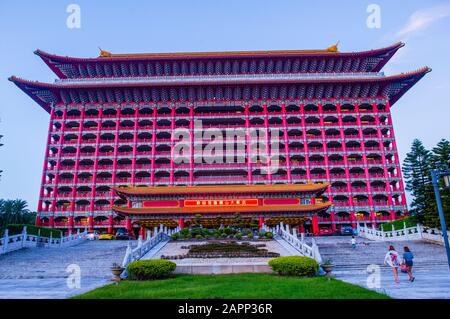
x=418 y=232
x=24 y=240
x=292 y=239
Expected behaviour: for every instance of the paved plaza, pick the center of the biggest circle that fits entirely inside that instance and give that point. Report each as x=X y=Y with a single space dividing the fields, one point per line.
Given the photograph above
x=42 y=272
x=430 y=266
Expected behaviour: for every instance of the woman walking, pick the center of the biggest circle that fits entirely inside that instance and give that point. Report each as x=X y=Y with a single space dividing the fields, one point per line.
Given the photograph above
x=408 y=260
x=392 y=259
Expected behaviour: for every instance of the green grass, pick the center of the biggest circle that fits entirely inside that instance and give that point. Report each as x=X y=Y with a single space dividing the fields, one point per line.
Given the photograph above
x=231 y=286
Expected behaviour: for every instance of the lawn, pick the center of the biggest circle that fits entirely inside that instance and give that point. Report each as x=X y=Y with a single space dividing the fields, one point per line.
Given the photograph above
x=231 y=286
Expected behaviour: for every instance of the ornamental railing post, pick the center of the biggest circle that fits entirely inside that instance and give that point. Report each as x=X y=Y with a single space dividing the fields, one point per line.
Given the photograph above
x=6 y=240
x=24 y=235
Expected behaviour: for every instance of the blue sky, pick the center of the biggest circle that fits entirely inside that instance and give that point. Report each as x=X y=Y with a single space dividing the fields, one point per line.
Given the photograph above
x=169 y=26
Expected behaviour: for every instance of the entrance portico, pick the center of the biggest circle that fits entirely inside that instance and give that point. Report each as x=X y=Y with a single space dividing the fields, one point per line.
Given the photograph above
x=220 y=205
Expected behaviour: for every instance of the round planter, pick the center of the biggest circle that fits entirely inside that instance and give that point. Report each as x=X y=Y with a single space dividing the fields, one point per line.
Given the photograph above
x=116 y=273
x=328 y=269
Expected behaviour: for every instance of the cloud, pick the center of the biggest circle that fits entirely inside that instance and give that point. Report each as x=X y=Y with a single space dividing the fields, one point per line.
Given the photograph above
x=422 y=19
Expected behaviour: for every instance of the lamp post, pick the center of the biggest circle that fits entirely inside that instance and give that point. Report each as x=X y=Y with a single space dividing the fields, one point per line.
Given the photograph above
x=435 y=175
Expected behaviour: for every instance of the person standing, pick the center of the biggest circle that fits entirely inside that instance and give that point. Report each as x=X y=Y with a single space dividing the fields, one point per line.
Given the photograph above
x=353 y=241
x=392 y=259
x=408 y=260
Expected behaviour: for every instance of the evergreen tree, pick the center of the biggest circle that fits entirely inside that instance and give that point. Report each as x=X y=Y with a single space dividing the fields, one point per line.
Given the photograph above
x=440 y=156
x=15 y=212
x=416 y=172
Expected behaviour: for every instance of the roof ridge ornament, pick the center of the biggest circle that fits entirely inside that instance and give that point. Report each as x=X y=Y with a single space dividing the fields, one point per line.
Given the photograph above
x=104 y=54
x=334 y=47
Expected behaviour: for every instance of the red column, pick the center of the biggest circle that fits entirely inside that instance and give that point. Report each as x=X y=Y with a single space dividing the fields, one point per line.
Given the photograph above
x=70 y=228
x=90 y=222
x=305 y=142
x=260 y=221
x=45 y=166
x=266 y=137
x=181 y=223
x=315 y=225
x=171 y=176
x=248 y=145
x=128 y=225
x=333 y=225
x=51 y=221
x=301 y=228
x=110 y=224
x=38 y=220
x=191 y=145
x=373 y=218
x=353 y=219
x=152 y=168
x=142 y=232
x=286 y=143
x=135 y=134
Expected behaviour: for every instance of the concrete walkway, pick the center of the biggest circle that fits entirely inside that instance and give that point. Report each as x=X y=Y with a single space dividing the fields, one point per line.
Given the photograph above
x=430 y=269
x=44 y=273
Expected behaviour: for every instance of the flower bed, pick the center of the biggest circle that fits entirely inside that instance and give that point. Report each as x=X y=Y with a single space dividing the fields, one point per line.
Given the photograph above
x=224 y=250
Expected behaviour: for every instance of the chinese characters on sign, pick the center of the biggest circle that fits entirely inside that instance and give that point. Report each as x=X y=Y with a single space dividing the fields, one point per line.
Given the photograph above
x=221 y=202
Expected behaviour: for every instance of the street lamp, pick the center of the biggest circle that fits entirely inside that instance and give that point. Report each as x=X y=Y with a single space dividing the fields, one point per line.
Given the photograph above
x=435 y=175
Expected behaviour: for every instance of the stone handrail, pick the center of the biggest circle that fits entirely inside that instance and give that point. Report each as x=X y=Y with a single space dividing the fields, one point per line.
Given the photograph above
x=309 y=251
x=418 y=232
x=24 y=240
x=144 y=247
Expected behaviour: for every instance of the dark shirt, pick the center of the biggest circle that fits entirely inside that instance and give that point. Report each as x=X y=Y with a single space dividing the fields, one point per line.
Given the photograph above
x=408 y=256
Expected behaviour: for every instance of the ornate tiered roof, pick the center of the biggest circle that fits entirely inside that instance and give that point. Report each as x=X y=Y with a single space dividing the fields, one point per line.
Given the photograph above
x=232 y=62
x=242 y=209
x=232 y=76
x=317 y=188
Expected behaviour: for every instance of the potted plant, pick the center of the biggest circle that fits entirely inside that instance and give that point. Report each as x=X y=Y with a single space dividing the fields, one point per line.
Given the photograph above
x=116 y=270
x=327 y=266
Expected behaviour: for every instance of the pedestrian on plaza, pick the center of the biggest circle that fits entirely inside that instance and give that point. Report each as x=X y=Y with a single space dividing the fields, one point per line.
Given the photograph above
x=392 y=259
x=353 y=241
x=408 y=260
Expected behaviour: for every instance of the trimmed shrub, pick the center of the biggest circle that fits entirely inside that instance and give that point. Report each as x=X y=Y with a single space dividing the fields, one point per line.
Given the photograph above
x=15 y=229
x=198 y=236
x=294 y=266
x=269 y=234
x=261 y=234
x=175 y=236
x=150 y=269
x=250 y=235
x=399 y=223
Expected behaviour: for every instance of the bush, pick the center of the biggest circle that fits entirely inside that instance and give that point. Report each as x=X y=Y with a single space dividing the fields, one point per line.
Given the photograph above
x=150 y=269
x=269 y=234
x=15 y=229
x=399 y=224
x=250 y=235
x=261 y=234
x=175 y=236
x=239 y=236
x=198 y=236
x=294 y=266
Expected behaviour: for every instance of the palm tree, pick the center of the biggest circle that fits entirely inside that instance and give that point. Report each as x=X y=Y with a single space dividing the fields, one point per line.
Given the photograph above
x=15 y=212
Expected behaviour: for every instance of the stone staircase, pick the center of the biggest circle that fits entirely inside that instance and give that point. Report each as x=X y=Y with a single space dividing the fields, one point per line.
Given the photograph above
x=430 y=266
x=41 y=272
x=367 y=252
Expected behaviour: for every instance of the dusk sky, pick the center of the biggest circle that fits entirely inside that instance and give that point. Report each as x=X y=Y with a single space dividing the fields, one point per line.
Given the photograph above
x=171 y=26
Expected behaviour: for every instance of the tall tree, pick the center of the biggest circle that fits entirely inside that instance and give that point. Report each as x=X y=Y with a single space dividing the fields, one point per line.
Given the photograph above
x=416 y=171
x=440 y=156
x=15 y=212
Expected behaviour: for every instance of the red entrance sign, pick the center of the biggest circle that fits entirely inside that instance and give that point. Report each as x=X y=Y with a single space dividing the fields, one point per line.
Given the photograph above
x=220 y=202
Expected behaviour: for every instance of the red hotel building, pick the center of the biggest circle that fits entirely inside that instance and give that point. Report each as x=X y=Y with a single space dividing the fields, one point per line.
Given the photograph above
x=112 y=119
